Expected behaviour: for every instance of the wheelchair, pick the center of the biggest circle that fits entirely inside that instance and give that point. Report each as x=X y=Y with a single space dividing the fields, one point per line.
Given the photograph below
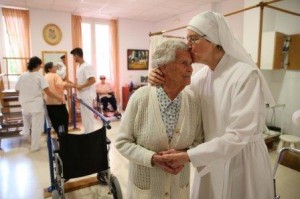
x=110 y=109
x=76 y=155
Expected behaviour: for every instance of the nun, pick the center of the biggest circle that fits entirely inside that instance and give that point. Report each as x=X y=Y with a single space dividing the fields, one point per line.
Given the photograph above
x=233 y=161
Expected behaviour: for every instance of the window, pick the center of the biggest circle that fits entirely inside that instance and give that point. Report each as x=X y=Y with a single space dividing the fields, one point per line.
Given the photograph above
x=87 y=42
x=96 y=47
x=12 y=63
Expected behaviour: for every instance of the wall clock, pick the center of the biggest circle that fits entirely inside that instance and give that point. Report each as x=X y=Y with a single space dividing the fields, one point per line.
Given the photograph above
x=52 y=34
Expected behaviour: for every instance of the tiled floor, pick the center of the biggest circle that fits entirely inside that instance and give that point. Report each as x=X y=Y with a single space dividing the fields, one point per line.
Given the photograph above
x=24 y=175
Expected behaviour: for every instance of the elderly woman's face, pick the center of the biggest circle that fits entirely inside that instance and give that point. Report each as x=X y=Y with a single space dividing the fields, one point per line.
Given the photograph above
x=200 y=48
x=179 y=71
x=53 y=69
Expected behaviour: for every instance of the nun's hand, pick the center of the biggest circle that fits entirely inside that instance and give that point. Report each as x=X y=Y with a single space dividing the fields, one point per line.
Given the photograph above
x=156 y=77
x=157 y=160
x=174 y=160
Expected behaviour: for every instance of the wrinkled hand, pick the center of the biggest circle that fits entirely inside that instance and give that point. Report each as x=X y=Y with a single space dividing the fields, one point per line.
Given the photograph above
x=156 y=77
x=157 y=160
x=174 y=158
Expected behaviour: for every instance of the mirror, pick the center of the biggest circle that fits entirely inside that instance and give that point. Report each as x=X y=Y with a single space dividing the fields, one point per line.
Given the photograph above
x=54 y=56
x=280 y=44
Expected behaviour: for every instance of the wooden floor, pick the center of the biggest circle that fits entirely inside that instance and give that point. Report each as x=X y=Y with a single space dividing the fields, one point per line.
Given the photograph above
x=75 y=185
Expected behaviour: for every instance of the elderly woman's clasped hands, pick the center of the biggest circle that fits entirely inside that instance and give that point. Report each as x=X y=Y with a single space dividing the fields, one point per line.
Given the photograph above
x=171 y=161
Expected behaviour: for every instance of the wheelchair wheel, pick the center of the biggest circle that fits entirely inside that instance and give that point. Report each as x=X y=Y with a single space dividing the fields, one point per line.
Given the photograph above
x=55 y=194
x=115 y=187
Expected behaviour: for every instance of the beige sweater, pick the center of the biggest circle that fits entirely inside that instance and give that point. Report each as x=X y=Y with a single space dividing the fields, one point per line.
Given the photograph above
x=142 y=134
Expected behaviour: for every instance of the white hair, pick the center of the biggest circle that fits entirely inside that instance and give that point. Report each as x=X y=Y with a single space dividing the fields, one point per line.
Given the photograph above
x=165 y=52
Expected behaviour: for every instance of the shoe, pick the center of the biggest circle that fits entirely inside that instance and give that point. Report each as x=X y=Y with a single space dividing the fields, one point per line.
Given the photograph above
x=102 y=176
x=35 y=150
x=108 y=140
x=25 y=136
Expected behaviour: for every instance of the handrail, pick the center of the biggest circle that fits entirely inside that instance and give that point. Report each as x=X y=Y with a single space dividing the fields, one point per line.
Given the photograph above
x=106 y=122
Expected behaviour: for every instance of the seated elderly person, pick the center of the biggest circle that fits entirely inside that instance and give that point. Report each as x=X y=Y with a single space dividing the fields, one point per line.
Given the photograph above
x=157 y=119
x=105 y=95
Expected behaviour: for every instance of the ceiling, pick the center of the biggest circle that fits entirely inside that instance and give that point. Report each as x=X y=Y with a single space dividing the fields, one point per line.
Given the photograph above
x=144 y=10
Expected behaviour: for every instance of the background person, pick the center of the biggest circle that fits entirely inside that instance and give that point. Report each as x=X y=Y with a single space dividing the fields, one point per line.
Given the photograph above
x=61 y=67
x=233 y=163
x=84 y=84
x=31 y=85
x=159 y=118
x=105 y=94
x=57 y=110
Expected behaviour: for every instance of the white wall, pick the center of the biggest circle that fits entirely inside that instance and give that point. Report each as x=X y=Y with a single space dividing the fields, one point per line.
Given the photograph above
x=132 y=35
x=40 y=18
x=178 y=21
x=234 y=21
x=284 y=85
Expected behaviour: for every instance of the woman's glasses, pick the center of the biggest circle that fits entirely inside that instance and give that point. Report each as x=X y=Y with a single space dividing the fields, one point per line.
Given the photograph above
x=193 y=38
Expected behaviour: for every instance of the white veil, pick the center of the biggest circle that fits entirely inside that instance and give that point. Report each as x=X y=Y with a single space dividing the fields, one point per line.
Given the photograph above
x=217 y=31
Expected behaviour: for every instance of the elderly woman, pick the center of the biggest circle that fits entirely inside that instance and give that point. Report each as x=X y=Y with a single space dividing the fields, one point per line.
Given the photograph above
x=233 y=163
x=158 y=119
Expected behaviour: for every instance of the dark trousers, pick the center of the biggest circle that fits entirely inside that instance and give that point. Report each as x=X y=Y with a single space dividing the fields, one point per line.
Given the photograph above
x=112 y=100
x=59 y=116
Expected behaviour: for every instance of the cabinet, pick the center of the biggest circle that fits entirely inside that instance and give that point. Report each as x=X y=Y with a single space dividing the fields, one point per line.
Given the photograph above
x=125 y=96
x=126 y=93
x=280 y=51
x=294 y=53
x=271 y=54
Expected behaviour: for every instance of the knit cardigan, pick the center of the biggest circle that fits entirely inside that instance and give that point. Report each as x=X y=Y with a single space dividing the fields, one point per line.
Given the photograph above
x=142 y=133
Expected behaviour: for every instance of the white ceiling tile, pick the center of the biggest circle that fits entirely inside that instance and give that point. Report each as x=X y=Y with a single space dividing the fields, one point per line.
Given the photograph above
x=40 y=4
x=13 y=3
x=147 y=10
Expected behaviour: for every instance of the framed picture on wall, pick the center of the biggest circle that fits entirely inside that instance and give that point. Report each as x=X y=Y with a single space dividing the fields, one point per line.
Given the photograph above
x=137 y=59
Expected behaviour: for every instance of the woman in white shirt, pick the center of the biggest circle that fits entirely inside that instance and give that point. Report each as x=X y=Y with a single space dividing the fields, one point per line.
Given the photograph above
x=31 y=86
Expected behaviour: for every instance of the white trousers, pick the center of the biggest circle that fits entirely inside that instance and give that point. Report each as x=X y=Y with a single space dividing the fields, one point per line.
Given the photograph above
x=35 y=122
x=87 y=116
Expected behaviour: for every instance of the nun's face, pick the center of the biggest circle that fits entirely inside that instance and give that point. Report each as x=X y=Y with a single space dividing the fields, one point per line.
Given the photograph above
x=200 y=48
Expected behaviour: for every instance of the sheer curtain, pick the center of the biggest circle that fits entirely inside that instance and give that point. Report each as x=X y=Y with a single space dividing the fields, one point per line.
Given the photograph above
x=17 y=25
x=76 y=37
x=115 y=56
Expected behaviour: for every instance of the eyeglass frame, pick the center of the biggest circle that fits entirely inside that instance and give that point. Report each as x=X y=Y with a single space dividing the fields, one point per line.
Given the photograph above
x=193 y=38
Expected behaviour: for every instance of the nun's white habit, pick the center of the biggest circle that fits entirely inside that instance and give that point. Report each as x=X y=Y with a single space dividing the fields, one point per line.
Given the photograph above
x=233 y=163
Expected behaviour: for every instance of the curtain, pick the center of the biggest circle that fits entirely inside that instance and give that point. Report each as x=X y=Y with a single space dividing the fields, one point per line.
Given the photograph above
x=17 y=25
x=76 y=37
x=115 y=57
